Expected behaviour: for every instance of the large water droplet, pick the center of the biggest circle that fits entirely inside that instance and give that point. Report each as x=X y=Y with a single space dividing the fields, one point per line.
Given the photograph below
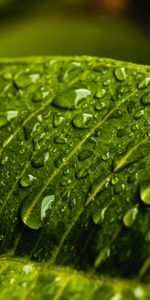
x=120 y=74
x=25 y=79
x=145 y=191
x=27 y=181
x=80 y=120
x=57 y=120
x=84 y=154
x=70 y=99
x=130 y=216
x=11 y=114
x=41 y=93
x=146 y=99
x=144 y=83
x=46 y=205
x=99 y=215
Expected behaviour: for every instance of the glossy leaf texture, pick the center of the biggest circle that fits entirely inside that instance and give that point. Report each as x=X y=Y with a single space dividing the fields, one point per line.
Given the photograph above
x=74 y=179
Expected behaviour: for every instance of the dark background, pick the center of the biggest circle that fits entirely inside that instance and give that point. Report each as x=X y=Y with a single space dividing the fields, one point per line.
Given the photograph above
x=107 y=28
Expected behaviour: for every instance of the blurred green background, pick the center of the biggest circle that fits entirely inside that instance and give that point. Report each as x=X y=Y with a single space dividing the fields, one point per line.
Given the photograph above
x=107 y=28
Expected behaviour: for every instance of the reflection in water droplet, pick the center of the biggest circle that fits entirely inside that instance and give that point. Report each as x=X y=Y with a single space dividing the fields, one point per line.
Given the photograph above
x=100 y=93
x=145 y=191
x=130 y=216
x=70 y=99
x=57 y=120
x=84 y=154
x=144 y=83
x=146 y=99
x=120 y=74
x=41 y=93
x=46 y=205
x=80 y=120
x=100 y=106
x=27 y=181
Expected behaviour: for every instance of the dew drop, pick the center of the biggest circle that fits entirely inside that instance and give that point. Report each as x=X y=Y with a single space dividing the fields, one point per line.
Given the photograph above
x=100 y=93
x=82 y=173
x=7 y=76
x=105 y=156
x=57 y=120
x=144 y=83
x=41 y=93
x=25 y=79
x=145 y=191
x=7 y=116
x=27 y=181
x=146 y=99
x=100 y=106
x=70 y=99
x=139 y=114
x=65 y=182
x=106 y=82
x=46 y=205
x=80 y=120
x=40 y=159
x=99 y=215
x=120 y=74
x=84 y=154
x=11 y=114
x=59 y=140
x=103 y=255
x=27 y=269
x=130 y=216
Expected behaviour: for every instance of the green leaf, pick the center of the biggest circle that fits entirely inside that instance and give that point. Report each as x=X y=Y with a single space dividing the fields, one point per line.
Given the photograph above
x=74 y=179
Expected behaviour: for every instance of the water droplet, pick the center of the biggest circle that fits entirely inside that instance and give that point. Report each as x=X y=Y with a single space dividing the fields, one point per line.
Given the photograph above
x=27 y=181
x=59 y=140
x=59 y=160
x=46 y=205
x=80 y=120
x=82 y=173
x=27 y=269
x=106 y=82
x=146 y=99
x=84 y=154
x=139 y=114
x=57 y=120
x=105 y=156
x=11 y=114
x=40 y=159
x=114 y=180
x=130 y=216
x=41 y=93
x=120 y=74
x=145 y=191
x=104 y=254
x=7 y=116
x=25 y=79
x=7 y=75
x=100 y=106
x=99 y=215
x=65 y=182
x=70 y=99
x=100 y=93
x=144 y=83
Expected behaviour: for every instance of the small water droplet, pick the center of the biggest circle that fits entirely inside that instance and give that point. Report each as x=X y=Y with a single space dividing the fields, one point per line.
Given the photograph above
x=114 y=180
x=105 y=156
x=40 y=159
x=65 y=182
x=59 y=140
x=106 y=82
x=84 y=154
x=70 y=99
x=120 y=74
x=144 y=83
x=27 y=269
x=104 y=254
x=46 y=205
x=7 y=116
x=145 y=191
x=57 y=120
x=7 y=75
x=100 y=106
x=146 y=99
x=130 y=216
x=41 y=93
x=99 y=215
x=80 y=120
x=100 y=93
x=139 y=114
x=27 y=181
x=82 y=173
